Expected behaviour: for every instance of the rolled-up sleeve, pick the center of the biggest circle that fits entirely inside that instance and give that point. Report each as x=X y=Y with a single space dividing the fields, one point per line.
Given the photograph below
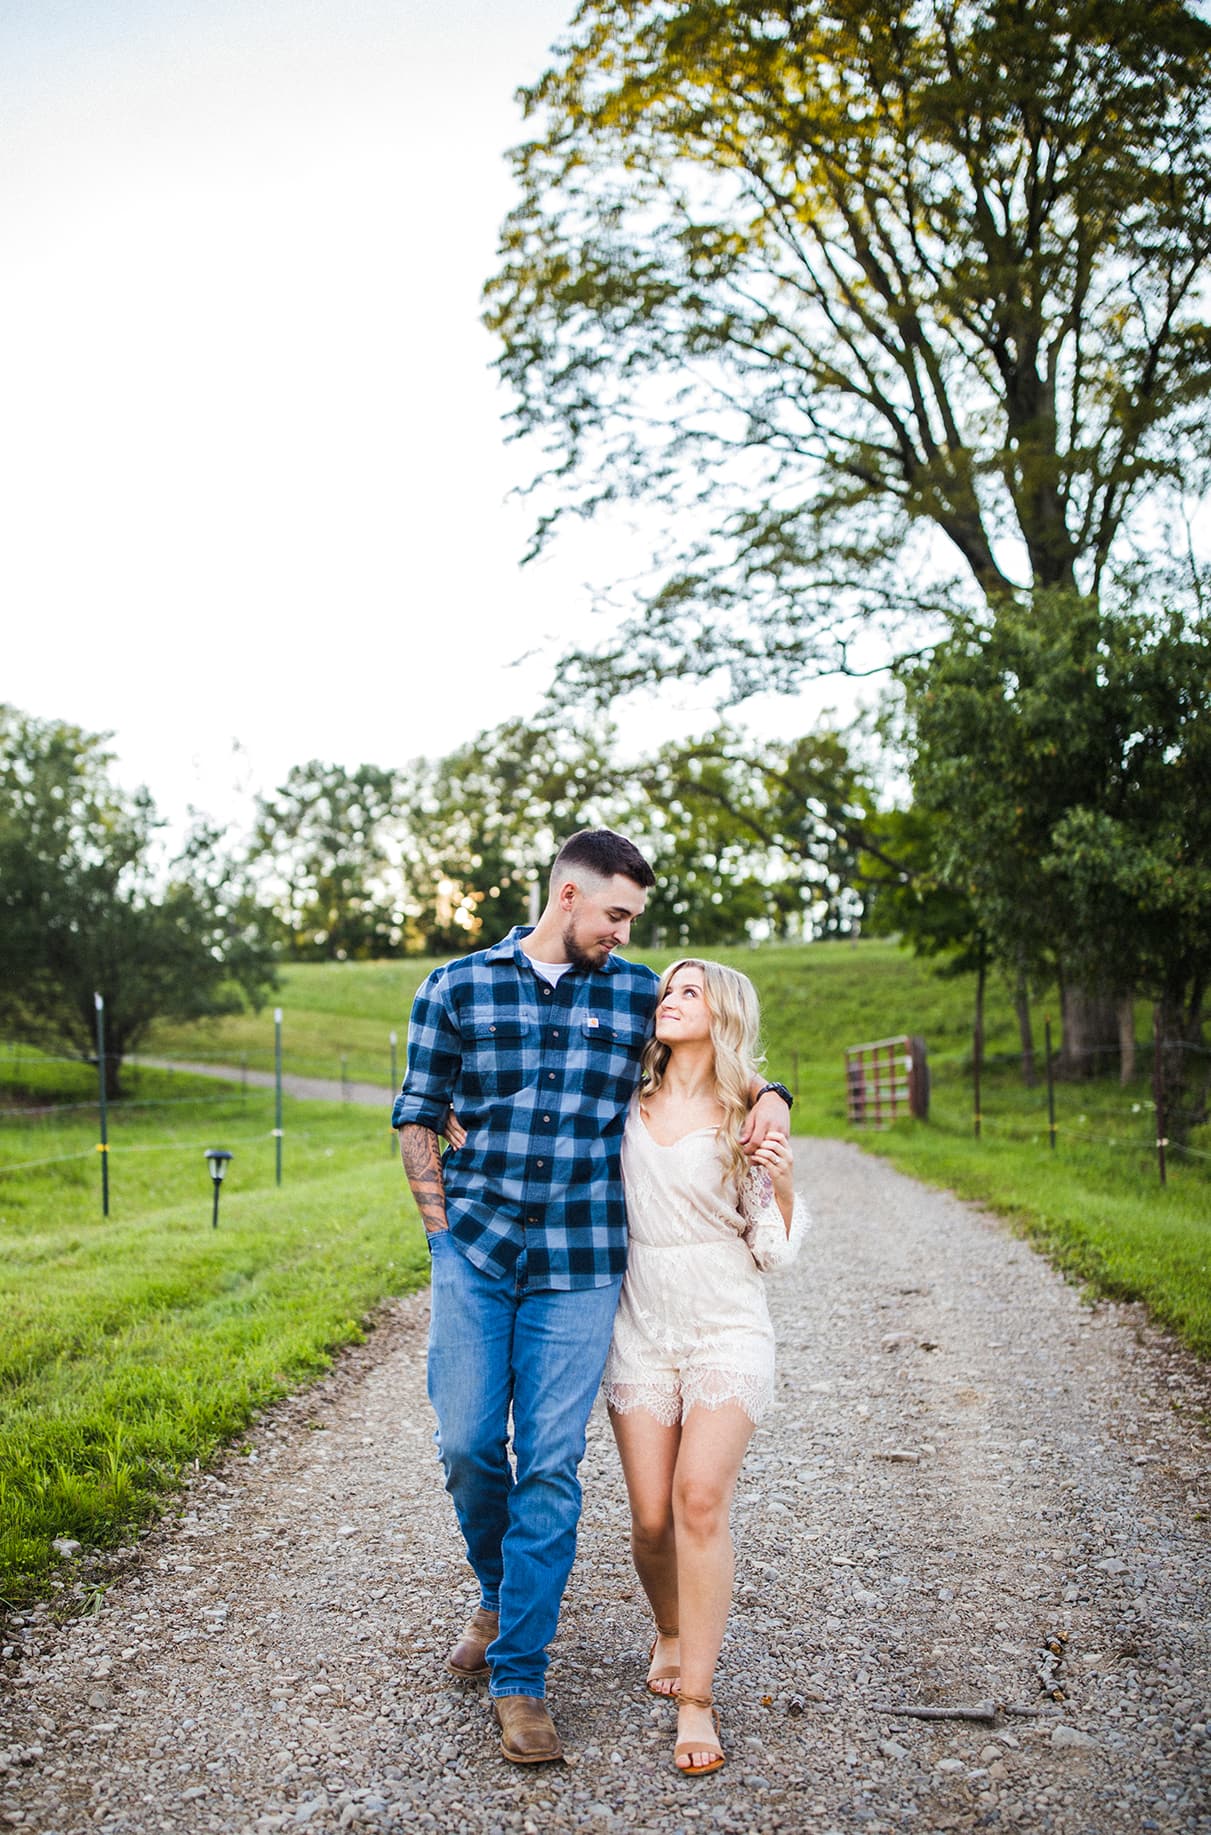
x=434 y=1059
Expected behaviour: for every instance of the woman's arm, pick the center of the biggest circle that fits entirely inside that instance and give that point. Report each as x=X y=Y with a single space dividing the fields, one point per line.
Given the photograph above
x=775 y=1216
x=774 y=1156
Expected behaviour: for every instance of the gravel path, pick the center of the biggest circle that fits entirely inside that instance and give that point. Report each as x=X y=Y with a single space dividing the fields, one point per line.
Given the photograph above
x=974 y=1486
x=312 y=1089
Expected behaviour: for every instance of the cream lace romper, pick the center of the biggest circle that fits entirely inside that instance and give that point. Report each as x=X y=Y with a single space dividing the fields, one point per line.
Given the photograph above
x=693 y=1327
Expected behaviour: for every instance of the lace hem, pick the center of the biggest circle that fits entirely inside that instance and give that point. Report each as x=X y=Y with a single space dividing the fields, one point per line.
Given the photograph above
x=708 y=1389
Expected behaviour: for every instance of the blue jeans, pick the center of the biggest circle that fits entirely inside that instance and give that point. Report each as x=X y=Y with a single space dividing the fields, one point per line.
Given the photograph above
x=493 y=1344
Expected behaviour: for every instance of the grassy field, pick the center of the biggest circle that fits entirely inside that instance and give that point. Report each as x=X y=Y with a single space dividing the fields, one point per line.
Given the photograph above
x=816 y=1000
x=136 y=1344
x=1095 y=1204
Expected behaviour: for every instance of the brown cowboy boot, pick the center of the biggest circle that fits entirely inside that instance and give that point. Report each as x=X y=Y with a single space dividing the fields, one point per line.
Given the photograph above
x=527 y=1732
x=467 y=1657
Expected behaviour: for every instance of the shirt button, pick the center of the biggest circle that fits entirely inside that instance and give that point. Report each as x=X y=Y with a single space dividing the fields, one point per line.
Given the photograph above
x=542 y=1162
x=546 y=1118
x=550 y=1076
x=546 y=990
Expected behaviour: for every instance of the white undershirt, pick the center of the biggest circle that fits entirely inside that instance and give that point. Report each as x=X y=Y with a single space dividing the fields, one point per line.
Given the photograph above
x=550 y=971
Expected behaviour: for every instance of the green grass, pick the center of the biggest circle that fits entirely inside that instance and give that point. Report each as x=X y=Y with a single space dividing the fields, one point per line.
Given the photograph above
x=137 y=1343
x=817 y=999
x=1097 y=1209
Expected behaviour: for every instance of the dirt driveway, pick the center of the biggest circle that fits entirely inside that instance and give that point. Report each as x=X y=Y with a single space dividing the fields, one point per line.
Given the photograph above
x=977 y=1493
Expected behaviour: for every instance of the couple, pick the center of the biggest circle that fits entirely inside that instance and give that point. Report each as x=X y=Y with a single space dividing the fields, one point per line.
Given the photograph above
x=571 y=1070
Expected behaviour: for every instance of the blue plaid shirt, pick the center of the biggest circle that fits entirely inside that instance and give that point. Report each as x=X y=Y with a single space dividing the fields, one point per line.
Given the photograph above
x=540 y=1077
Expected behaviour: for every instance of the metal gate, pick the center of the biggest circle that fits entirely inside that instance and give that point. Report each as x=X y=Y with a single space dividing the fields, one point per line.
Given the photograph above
x=885 y=1080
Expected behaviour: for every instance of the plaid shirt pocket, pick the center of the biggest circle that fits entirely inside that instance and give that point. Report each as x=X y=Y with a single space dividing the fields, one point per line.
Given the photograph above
x=610 y=1052
x=500 y=1057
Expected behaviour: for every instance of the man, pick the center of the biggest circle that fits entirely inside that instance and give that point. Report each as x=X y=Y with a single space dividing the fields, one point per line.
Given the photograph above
x=535 y=1043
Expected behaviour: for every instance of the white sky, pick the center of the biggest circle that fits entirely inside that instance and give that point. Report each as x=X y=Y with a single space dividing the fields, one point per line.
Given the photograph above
x=251 y=457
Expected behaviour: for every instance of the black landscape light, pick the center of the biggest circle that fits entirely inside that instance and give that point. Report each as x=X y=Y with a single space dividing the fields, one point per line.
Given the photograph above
x=218 y=1157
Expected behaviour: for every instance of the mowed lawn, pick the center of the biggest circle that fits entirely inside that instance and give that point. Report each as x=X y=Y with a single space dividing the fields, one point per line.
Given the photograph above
x=1094 y=1204
x=136 y=1344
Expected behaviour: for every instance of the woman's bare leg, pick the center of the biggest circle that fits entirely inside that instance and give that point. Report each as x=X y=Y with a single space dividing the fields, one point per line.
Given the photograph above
x=648 y=1451
x=713 y=1443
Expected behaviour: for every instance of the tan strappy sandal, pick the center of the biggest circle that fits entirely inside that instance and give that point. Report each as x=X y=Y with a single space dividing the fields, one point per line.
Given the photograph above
x=686 y=1746
x=668 y=1673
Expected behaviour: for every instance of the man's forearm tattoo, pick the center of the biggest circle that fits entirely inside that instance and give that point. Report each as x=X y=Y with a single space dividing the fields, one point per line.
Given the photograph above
x=422 y=1164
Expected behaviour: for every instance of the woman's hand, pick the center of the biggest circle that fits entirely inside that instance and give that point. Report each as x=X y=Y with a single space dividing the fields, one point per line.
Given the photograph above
x=774 y=1156
x=453 y=1130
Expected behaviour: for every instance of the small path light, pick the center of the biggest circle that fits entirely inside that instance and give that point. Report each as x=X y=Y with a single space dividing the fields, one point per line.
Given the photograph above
x=218 y=1158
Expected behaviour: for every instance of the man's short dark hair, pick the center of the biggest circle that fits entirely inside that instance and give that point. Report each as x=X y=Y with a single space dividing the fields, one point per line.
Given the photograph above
x=604 y=853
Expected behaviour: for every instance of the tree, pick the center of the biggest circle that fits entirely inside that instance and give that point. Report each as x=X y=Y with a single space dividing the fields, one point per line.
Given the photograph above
x=841 y=281
x=481 y=826
x=321 y=841
x=83 y=912
x=758 y=833
x=1068 y=753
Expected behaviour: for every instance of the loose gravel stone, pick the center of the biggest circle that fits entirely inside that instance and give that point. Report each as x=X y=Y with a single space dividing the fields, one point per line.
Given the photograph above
x=271 y=1656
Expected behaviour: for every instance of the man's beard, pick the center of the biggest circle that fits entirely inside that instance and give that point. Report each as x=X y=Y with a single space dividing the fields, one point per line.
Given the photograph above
x=582 y=958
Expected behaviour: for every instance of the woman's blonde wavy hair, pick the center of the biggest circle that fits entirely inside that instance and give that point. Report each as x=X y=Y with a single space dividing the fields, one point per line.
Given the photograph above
x=735 y=1032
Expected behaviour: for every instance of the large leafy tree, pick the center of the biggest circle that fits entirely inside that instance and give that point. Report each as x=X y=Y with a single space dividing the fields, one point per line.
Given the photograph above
x=901 y=300
x=480 y=827
x=85 y=911
x=749 y=832
x=1065 y=758
x=320 y=842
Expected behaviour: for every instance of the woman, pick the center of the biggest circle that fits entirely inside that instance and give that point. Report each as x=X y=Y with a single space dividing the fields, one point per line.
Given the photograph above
x=691 y=1367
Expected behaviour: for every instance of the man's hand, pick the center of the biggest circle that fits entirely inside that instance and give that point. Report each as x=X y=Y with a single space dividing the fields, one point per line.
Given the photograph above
x=453 y=1130
x=769 y=1114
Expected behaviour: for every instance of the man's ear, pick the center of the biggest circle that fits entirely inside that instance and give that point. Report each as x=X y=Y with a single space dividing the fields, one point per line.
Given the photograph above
x=569 y=892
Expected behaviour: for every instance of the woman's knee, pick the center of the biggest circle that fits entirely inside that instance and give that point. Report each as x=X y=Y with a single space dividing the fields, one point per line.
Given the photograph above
x=652 y=1528
x=701 y=1507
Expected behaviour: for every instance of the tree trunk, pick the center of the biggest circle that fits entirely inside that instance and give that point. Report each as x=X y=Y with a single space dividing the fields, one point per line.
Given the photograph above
x=1021 y=1001
x=1126 y=1038
x=981 y=982
x=1089 y=1017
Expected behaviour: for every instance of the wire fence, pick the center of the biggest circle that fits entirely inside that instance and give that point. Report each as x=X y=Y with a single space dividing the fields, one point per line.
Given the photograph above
x=1155 y=1106
x=46 y=1090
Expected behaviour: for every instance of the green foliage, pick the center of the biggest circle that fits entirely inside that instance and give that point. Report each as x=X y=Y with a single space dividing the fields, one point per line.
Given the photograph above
x=323 y=851
x=823 y=283
x=1061 y=761
x=749 y=833
x=485 y=823
x=908 y=897
x=82 y=910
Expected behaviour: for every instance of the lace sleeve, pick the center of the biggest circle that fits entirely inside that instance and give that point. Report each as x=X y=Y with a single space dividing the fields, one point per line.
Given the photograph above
x=764 y=1230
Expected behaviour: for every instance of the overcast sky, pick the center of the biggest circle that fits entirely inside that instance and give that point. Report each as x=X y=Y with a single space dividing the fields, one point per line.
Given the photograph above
x=251 y=453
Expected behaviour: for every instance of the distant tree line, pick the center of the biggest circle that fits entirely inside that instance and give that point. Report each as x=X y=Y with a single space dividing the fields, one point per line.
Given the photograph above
x=1059 y=817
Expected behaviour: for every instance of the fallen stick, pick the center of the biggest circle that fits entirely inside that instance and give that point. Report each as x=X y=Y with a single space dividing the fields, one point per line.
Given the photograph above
x=979 y=1710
